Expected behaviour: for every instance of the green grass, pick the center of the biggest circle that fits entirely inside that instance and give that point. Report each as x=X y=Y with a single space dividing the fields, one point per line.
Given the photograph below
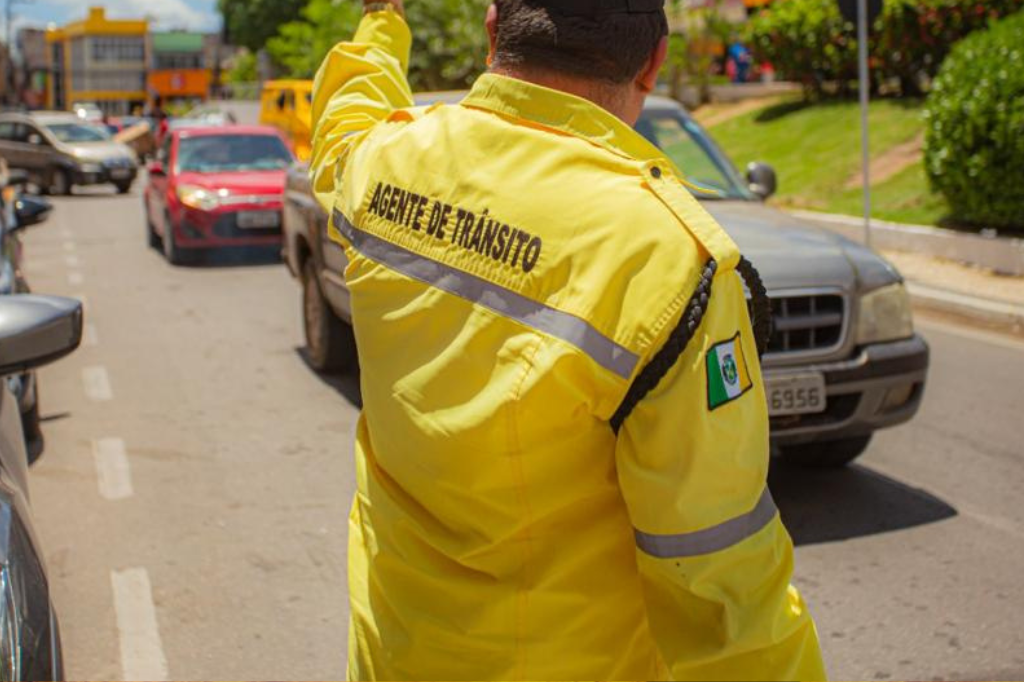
x=815 y=149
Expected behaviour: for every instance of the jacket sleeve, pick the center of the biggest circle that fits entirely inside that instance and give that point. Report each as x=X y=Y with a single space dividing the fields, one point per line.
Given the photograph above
x=359 y=85
x=714 y=557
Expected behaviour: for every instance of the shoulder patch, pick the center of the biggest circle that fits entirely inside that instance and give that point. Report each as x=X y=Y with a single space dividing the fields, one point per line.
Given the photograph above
x=728 y=375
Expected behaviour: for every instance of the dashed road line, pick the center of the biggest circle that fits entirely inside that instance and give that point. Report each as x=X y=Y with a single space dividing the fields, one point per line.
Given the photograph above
x=72 y=261
x=97 y=384
x=75 y=279
x=70 y=246
x=89 y=336
x=142 y=652
x=66 y=233
x=112 y=469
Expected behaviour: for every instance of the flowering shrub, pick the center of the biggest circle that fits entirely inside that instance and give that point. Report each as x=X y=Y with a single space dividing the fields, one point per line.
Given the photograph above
x=808 y=40
x=974 y=139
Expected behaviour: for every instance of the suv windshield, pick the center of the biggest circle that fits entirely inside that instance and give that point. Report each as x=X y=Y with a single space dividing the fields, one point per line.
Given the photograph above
x=77 y=132
x=220 y=153
x=693 y=152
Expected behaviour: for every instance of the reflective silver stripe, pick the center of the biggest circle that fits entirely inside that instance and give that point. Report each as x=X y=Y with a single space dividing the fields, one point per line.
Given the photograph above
x=505 y=302
x=710 y=540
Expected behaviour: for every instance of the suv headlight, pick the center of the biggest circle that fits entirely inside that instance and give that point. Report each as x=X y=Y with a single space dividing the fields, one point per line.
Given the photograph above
x=201 y=198
x=885 y=315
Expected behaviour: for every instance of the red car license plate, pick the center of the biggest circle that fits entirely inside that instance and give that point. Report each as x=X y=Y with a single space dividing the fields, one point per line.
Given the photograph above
x=254 y=220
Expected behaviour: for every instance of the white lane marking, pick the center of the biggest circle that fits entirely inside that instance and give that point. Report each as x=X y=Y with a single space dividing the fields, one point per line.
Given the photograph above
x=67 y=234
x=142 y=652
x=97 y=384
x=112 y=469
x=89 y=336
x=69 y=246
x=72 y=261
x=972 y=334
x=75 y=279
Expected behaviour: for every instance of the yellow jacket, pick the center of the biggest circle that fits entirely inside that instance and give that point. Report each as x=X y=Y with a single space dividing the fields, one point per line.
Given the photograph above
x=515 y=262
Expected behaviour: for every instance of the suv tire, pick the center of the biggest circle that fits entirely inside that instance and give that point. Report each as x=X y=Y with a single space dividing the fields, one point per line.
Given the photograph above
x=60 y=183
x=31 y=424
x=123 y=187
x=330 y=343
x=833 y=454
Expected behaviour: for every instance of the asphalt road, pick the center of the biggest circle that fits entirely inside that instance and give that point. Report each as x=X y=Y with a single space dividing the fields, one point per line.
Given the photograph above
x=193 y=497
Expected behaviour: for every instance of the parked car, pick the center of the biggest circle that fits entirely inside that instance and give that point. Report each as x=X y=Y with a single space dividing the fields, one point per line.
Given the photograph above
x=216 y=187
x=843 y=361
x=61 y=150
x=288 y=106
x=18 y=212
x=34 y=331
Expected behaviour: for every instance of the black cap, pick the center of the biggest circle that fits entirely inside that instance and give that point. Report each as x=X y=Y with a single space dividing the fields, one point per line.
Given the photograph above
x=590 y=8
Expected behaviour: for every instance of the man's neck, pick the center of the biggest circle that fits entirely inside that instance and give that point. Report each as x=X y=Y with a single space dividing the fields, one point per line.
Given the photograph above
x=611 y=98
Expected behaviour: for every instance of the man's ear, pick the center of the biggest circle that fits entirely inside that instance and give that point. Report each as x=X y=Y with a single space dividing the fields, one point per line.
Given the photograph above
x=492 y=32
x=648 y=78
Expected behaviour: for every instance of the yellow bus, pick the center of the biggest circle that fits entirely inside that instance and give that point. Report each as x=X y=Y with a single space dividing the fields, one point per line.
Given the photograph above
x=288 y=106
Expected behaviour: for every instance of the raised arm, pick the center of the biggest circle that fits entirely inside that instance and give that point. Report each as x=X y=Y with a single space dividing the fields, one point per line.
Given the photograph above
x=359 y=84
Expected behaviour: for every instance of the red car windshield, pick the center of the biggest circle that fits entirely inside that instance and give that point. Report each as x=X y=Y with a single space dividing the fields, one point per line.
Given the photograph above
x=226 y=153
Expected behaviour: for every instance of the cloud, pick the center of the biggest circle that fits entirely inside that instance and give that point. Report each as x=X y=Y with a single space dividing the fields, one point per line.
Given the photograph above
x=163 y=14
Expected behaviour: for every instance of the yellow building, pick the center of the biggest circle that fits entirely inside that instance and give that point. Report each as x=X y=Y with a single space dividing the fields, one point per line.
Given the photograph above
x=98 y=60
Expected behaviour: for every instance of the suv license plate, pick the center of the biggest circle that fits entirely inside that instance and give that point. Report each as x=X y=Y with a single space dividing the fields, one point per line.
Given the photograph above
x=255 y=220
x=796 y=394
x=120 y=173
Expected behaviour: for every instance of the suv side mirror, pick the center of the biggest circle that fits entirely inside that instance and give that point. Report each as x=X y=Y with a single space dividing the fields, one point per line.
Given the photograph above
x=761 y=179
x=35 y=139
x=156 y=169
x=37 y=330
x=31 y=211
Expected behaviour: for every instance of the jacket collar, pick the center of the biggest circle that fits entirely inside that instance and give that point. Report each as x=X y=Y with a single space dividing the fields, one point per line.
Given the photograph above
x=560 y=111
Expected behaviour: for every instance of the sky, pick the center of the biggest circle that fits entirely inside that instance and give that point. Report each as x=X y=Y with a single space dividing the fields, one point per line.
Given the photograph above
x=193 y=15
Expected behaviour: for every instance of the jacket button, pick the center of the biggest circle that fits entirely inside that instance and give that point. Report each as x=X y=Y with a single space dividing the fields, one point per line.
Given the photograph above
x=656 y=172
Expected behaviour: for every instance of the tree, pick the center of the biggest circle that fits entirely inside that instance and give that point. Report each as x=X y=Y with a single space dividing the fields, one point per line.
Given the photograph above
x=300 y=46
x=251 y=22
x=449 y=41
x=697 y=35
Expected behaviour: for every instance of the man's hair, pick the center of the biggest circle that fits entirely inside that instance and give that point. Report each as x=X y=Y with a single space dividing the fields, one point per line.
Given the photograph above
x=608 y=47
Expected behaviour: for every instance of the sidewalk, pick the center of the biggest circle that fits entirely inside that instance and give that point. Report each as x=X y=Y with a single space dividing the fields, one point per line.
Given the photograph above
x=937 y=284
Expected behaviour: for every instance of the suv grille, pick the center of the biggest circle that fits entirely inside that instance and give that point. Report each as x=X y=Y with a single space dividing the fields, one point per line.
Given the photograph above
x=806 y=323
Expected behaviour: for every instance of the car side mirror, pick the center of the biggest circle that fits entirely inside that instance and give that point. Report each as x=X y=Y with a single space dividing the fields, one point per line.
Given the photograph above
x=37 y=330
x=156 y=169
x=761 y=179
x=31 y=211
x=35 y=139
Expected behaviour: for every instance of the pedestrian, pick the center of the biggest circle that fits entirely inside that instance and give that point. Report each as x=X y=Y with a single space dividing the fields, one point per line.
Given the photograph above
x=739 y=56
x=563 y=450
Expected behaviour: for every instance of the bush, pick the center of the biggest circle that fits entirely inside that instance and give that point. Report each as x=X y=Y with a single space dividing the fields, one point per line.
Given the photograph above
x=808 y=40
x=974 y=140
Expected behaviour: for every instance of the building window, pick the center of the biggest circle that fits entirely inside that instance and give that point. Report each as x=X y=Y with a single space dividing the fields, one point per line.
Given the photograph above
x=118 y=50
x=177 y=60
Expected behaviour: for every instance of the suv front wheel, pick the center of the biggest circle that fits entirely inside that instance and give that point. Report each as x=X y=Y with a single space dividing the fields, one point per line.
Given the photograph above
x=832 y=454
x=330 y=343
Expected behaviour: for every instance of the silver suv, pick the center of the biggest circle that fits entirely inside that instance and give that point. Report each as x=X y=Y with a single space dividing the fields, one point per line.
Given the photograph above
x=843 y=360
x=60 y=150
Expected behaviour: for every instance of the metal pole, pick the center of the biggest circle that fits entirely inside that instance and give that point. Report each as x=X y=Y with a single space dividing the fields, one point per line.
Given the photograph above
x=865 y=94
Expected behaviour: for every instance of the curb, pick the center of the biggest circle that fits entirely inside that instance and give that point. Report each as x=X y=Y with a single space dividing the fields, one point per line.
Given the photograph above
x=982 y=310
x=1004 y=255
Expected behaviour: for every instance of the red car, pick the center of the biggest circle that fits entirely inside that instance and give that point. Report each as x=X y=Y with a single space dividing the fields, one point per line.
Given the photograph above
x=216 y=187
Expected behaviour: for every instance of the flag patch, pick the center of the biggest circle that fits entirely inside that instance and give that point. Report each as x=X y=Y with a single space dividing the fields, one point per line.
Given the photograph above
x=728 y=377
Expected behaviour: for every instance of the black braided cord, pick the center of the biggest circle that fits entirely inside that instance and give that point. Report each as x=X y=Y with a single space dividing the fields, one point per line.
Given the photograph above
x=655 y=371
x=693 y=316
x=760 y=305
